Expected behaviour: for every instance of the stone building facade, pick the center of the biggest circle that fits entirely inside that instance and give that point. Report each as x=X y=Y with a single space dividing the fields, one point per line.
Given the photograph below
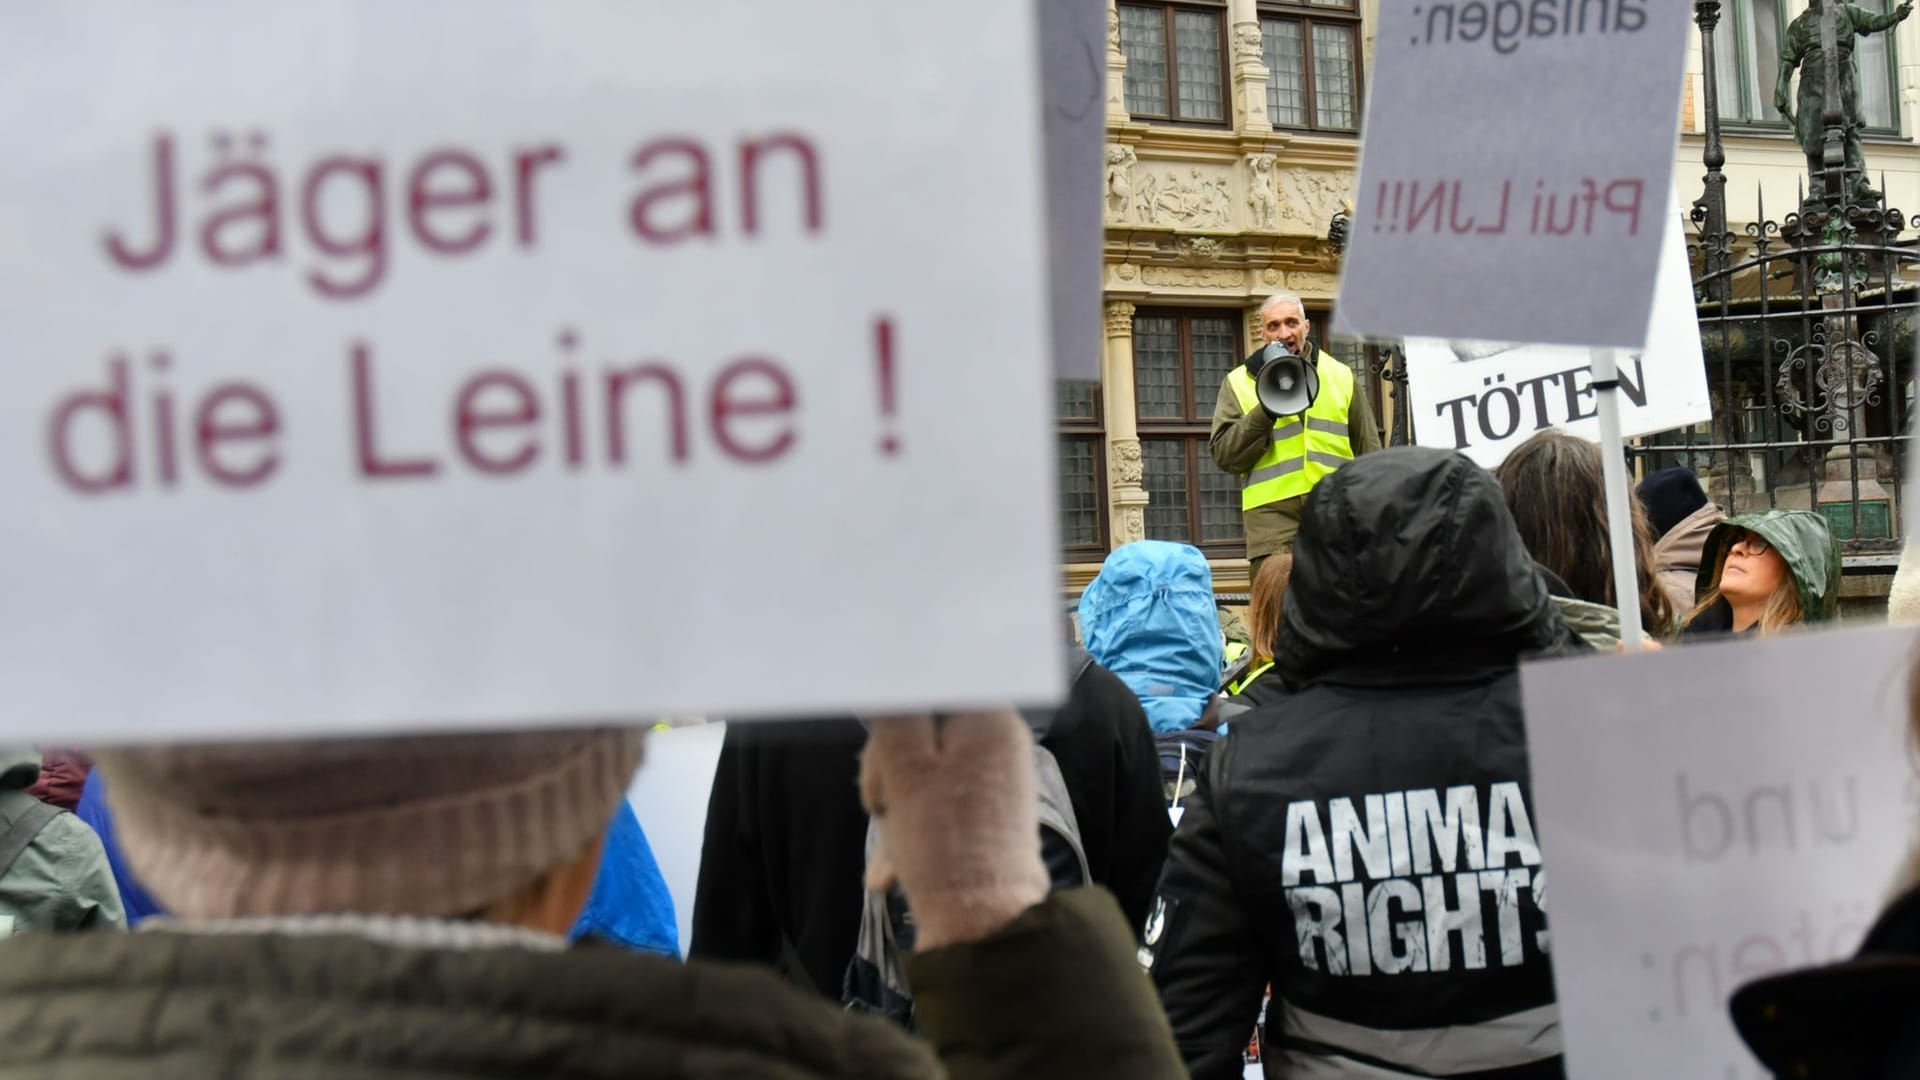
x=1232 y=141
x=1232 y=138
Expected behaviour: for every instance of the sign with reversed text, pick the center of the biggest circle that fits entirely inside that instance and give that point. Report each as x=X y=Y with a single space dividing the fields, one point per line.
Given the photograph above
x=1517 y=162
x=1486 y=398
x=469 y=362
x=1710 y=814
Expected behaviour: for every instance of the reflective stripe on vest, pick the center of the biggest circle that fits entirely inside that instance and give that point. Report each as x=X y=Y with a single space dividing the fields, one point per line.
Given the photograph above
x=1307 y=1039
x=1305 y=449
x=1247 y=680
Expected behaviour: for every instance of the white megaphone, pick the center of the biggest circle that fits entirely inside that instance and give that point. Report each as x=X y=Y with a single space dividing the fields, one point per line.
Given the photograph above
x=1287 y=384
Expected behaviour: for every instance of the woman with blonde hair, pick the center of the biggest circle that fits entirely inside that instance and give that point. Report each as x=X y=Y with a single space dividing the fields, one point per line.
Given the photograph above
x=1765 y=572
x=1264 y=606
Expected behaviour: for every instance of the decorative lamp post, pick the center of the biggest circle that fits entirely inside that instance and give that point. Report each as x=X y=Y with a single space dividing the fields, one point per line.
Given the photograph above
x=1710 y=209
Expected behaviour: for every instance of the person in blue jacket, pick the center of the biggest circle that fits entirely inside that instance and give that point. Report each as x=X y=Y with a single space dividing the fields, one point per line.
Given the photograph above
x=630 y=905
x=92 y=809
x=1150 y=618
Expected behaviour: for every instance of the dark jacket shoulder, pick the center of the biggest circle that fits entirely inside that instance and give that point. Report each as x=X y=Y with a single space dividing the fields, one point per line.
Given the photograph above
x=1364 y=844
x=1848 y=1021
x=290 y=1006
x=293 y=1007
x=1057 y=993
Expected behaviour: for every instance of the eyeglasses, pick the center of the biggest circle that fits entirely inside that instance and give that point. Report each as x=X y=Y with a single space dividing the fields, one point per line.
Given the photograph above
x=1753 y=543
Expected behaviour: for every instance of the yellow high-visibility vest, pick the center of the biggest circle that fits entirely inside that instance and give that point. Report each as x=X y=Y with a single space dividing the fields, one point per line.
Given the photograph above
x=1306 y=449
x=1244 y=681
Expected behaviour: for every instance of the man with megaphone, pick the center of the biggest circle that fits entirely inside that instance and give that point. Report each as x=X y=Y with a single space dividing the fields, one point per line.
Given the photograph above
x=1283 y=423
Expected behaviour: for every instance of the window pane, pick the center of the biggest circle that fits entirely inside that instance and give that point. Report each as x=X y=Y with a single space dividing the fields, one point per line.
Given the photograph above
x=1726 y=67
x=1876 y=93
x=1765 y=17
x=1143 y=37
x=1333 y=84
x=1332 y=3
x=1074 y=399
x=1216 y=349
x=1166 y=483
x=1219 y=499
x=1156 y=367
x=1747 y=60
x=1197 y=57
x=1351 y=350
x=1079 y=491
x=1283 y=53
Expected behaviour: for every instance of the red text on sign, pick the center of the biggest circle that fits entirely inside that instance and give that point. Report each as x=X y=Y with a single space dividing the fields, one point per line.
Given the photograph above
x=347 y=211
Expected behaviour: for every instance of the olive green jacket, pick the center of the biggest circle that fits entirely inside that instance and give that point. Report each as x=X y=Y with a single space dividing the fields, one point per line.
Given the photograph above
x=1597 y=624
x=1057 y=993
x=1801 y=537
x=62 y=880
x=1240 y=438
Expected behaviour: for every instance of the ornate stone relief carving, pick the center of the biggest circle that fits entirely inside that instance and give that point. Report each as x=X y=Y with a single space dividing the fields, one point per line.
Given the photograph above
x=1302 y=281
x=1121 y=161
x=1262 y=196
x=1199 y=250
x=1310 y=197
x=1133 y=524
x=1246 y=43
x=1119 y=319
x=1193 y=277
x=1270 y=276
x=1126 y=271
x=1193 y=200
x=1127 y=465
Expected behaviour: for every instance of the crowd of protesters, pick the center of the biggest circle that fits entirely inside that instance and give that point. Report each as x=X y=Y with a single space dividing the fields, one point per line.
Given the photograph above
x=1177 y=869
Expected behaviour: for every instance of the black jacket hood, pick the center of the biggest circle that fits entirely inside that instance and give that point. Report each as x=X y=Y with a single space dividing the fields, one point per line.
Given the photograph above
x=1847 y=1021
x=1408 y=561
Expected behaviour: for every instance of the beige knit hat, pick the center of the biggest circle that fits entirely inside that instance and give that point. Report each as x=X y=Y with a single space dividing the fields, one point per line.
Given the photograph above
x=425 y=825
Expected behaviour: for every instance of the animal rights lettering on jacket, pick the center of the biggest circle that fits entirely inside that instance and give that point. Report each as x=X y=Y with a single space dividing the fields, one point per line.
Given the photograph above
x=146 y=415
x=1415 y=881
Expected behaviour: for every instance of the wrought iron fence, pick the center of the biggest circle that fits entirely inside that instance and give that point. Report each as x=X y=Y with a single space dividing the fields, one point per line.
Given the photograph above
x=1807 y=332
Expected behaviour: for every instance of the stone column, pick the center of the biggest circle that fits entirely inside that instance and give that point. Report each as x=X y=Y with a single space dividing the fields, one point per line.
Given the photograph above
x=1126 y=497
x=1116 y=70
x=1249 y=69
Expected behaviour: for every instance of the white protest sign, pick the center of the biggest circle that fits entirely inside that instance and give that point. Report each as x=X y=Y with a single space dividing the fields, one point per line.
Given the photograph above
x=1484 y=399
x=1518 y=156
x=1711 y=814
x=470 y=362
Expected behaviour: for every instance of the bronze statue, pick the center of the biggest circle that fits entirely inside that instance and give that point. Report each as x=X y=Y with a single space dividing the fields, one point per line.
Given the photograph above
x=1801 y=49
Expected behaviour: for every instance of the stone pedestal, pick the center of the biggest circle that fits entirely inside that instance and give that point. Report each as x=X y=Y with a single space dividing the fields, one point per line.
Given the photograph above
x=1728 y=476
x=1838 y=494
x=1249 y=68
x=1837 y=497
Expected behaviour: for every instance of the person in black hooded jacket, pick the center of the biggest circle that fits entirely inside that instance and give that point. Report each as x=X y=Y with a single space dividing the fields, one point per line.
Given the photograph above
x=783 y=862
x=1365 y=844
